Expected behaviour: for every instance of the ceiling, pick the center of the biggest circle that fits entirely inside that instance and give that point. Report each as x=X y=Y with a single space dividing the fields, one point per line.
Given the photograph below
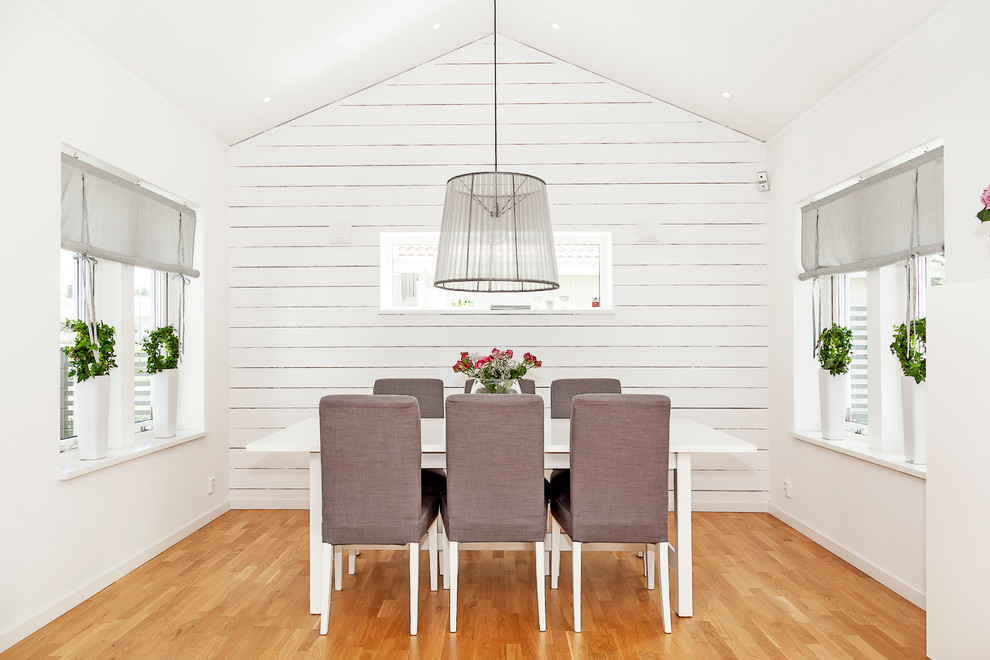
x=217 y=60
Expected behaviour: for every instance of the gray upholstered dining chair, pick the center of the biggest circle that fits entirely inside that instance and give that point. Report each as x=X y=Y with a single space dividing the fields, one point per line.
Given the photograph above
x=374 y=490
x=495 y=486
x=616 y=488
x=429 y=392
x=526 y=385
x=563 y=390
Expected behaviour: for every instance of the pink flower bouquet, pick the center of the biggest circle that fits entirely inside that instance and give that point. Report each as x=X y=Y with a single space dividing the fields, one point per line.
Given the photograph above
x=497 y=371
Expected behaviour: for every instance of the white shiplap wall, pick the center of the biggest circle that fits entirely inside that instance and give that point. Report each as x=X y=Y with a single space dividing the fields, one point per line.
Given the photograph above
x=690 y=317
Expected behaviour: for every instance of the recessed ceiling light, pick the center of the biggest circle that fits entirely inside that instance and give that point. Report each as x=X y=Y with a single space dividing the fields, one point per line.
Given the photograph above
x=267 y=99
x=555 y=26
x=437 y=26
x=726 y=95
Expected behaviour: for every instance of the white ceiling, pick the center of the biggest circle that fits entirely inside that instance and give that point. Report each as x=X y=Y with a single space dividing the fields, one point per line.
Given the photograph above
x=218 y=59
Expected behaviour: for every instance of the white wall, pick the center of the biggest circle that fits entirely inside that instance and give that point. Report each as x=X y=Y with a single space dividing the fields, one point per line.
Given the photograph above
x=690 y=311
x=63 y=541
x=922 y=91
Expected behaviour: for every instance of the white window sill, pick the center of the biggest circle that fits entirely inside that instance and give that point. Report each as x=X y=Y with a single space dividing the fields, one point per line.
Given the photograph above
x=509 y=312
x=71 y=466
x=858 y=448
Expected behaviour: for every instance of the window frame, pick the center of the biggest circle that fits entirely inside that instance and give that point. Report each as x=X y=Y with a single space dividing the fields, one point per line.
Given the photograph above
x=112 y=280
x=388 y=240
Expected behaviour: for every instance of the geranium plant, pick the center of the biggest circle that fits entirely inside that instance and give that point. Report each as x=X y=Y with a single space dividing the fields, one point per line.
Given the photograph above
x=909 y=347
x=497 y=371
x=984 y=215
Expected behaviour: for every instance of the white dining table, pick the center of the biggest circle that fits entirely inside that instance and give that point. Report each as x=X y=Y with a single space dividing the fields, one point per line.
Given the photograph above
x=687 y=437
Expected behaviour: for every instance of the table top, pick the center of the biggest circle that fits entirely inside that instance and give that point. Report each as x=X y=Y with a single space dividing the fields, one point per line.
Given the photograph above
x=686 y=436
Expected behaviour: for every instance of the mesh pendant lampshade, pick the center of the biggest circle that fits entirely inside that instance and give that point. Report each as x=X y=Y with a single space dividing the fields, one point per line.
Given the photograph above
x=495 y=235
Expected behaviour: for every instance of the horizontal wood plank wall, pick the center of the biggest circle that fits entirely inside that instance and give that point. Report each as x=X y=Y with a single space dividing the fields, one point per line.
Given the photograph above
x=310 y=198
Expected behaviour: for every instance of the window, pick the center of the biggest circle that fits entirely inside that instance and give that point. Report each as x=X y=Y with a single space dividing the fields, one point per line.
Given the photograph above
x=855 y=295
x=69 y=309
x=132 y=234
x=584 y=263
x=876 y=242
x=150 y=296
x=151 y=291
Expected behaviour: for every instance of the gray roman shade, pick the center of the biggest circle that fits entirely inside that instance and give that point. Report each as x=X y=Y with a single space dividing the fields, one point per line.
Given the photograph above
x=879 y=221
x=111 y=218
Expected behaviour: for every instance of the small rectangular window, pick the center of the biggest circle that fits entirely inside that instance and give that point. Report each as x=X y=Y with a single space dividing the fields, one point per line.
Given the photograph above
x=69 y=308
x=146 y=298
x=584 y=263
x=856 y=315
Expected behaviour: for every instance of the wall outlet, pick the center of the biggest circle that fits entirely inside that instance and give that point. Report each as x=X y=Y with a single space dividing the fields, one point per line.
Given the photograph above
x=211 y=484
x=787 y=487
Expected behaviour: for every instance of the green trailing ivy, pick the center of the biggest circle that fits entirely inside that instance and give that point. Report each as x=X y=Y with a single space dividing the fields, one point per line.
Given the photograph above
x=83 y=360
x=835 y=349
x=910 y=352
x=162 y=347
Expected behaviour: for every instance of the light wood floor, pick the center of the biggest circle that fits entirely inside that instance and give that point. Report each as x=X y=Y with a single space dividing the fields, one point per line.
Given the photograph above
x=238 y=589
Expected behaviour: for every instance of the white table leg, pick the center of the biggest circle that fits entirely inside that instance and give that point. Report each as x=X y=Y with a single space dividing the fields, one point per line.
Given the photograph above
x=683 y=593
x=315 y=531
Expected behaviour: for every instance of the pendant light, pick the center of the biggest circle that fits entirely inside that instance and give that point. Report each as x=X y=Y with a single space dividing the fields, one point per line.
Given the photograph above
x=495 y=235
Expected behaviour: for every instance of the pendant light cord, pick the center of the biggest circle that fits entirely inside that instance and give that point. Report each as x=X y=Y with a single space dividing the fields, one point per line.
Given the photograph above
x=495 y=72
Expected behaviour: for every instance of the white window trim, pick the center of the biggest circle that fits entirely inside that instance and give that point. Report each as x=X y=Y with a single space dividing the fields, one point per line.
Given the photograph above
x=389 y=239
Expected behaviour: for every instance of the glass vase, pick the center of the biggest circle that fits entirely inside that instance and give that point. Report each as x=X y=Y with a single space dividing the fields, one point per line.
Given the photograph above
x=495 y=386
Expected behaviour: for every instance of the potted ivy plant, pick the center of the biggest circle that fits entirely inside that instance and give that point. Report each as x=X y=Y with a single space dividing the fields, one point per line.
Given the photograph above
x=909 y=348
x=834 y=357
x=162 y=347
x=91 y=357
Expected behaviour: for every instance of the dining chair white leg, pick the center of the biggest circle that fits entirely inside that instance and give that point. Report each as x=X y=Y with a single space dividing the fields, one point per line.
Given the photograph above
x=541 y=577
x=445 y=560
x=338 y=568
x=651 y=563
x=325 y=588
x=646 y=564
x=554 y=553
x=452 y=570
x=576 y=580
x=443 y=535
x=547 y=545
x=351 y=561
x=432 y=541
x=662 y=551
x=413 y=587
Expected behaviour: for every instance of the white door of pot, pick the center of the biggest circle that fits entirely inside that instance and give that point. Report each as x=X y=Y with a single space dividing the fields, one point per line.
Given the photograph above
x=91 y=417
x=164 y=401
x=914 y=403
x=832 y=390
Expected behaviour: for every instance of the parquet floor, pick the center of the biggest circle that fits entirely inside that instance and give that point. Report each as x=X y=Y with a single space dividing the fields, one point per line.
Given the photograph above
x=238 y=589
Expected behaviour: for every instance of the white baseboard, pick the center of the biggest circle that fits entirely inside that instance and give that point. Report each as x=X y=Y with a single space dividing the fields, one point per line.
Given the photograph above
x=35 y=622
x=267 y=503
x=901 y=588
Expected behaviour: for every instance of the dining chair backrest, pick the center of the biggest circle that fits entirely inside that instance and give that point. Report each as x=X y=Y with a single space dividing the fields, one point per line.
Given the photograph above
x=526 y=385
x=371 y=457
x=619 y=467
x=563 y=390
x=429 y=392
x=495 y=485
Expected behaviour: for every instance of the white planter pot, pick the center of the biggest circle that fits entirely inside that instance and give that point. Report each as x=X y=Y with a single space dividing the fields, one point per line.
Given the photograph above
x=914 y=404
x=91 y=417
x=164 y=401
x=832 y=391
